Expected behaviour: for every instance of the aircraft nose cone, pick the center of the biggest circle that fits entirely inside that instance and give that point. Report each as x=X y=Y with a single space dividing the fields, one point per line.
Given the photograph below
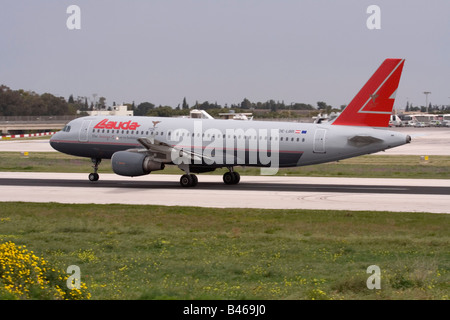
x=53 y=140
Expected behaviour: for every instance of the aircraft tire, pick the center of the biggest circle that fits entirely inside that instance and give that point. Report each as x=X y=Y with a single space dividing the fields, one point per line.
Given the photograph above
x=93 y=177
x=194 y=180
x=237 y=177
x=231 y=178
x=228 y=178
x=186 y=180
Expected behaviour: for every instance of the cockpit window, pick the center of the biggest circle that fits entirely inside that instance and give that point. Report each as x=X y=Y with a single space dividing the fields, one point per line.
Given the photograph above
x=66 y=129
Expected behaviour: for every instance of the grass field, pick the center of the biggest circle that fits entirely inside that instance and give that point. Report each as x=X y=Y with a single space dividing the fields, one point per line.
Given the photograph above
x=371 y=166
x=155 y=252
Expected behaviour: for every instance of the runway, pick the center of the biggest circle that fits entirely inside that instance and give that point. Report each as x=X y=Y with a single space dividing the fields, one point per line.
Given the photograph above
x=269 y=192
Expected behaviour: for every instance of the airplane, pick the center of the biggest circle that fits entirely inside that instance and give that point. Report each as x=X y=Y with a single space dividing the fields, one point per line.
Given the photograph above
x=140 y=145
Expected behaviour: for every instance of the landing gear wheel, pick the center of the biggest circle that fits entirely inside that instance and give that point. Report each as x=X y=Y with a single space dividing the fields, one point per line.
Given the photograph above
x=237 y=177
x=93 y=177
x=194 y=180
x=231 y=177
x=228 y=178
x=188 y=180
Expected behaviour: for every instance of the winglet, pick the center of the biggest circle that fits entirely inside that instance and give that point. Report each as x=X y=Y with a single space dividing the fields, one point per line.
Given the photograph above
x=373 y=104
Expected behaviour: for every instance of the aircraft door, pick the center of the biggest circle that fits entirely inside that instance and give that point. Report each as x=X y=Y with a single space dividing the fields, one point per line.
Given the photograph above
x=319 y=141
x=84 y=130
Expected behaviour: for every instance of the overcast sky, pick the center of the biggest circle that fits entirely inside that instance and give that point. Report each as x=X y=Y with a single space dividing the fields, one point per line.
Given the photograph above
x=223 y=50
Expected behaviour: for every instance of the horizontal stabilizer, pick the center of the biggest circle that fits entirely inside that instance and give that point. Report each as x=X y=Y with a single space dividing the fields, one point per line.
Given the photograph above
x=360 y=141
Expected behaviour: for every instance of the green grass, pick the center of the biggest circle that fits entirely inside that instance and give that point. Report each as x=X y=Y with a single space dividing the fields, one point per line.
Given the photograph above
x=372 y=166
x=156 y=252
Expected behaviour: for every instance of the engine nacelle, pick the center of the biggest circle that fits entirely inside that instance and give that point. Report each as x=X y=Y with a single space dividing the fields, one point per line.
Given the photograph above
x=133 y=164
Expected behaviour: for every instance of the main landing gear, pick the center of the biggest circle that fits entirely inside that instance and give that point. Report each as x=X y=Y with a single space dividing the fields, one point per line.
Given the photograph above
x=188 y=180
x=231 y=177
x=94 y=176
x=191 y=180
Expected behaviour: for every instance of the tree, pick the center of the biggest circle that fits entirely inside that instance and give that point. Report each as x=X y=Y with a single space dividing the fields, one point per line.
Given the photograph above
x=323 y=106
x=29 y=103
x=185 y=105
x=102 y=103
x=246 y=104
x=143 y=108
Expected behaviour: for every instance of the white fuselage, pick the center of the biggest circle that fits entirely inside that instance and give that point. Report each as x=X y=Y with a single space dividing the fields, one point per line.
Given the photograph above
x=226 y=143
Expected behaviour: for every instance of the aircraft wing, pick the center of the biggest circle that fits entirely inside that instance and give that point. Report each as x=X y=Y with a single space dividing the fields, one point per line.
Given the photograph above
x=164 y=152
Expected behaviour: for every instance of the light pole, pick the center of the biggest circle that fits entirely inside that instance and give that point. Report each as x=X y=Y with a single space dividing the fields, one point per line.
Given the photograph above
x=426 y=100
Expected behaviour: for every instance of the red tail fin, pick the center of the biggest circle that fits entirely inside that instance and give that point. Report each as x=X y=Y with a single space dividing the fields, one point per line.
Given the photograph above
x=373 y=104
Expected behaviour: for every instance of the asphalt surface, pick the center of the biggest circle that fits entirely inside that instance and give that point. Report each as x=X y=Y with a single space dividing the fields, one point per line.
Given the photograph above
x=266 y=192
x=269 y=192
x=243 y=186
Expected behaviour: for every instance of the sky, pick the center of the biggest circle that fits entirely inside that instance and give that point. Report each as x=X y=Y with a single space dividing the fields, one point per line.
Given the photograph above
x=223 y=51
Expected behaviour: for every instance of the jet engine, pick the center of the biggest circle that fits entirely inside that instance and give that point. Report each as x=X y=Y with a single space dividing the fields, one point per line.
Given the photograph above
x=133 y=164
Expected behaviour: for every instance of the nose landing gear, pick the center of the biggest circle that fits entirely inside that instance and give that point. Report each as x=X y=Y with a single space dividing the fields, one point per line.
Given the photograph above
x=94 y=176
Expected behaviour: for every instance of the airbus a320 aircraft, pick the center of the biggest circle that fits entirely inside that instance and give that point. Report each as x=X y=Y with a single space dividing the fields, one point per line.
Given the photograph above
x=140 y=145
